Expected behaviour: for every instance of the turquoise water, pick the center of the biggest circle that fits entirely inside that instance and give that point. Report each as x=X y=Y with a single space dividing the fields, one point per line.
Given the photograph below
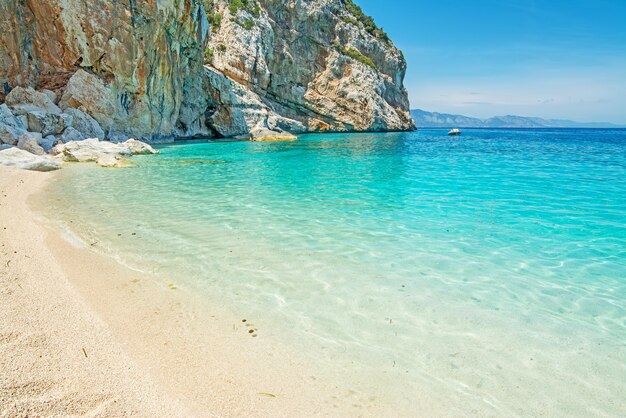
x=484 y=274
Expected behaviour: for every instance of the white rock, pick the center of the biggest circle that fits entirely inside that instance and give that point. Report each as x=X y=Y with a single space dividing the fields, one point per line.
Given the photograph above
x=29 y=141
x=112 y=161
x=21 y=97
x=92 y=149
x=16 y=157
x=138 y=147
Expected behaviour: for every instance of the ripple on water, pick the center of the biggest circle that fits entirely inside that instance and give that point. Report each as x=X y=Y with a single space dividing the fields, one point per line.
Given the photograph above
x=487 y=272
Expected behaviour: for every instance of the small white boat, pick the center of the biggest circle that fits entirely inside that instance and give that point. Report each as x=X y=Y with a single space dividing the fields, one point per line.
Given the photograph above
x=454 y=132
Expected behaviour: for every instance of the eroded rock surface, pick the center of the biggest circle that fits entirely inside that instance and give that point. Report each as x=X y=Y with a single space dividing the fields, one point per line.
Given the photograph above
x=162 y=69
x=316 y=62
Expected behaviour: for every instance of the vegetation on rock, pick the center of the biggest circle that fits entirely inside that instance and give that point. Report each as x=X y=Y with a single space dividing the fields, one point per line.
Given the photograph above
x=356 y=55
x=250 y=6
x=246 y=23
x=367 y=21
x=216 y=21
x=208 y=55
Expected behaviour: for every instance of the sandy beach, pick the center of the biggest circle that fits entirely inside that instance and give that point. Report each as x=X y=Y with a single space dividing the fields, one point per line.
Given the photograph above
x=81 y=334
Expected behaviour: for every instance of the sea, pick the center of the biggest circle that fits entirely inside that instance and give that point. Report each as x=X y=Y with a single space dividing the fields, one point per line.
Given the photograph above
x=485 y=272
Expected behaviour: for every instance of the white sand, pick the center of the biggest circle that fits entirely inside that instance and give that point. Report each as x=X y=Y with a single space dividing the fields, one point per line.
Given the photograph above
x=82 y=335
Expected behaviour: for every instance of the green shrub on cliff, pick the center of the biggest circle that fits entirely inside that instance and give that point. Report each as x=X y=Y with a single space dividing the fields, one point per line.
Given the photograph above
x=208 y=55
x=246 y=23
x=216 y=21
x=356 y=55
x=367 y=21
x=350 y=20
x=250 y=6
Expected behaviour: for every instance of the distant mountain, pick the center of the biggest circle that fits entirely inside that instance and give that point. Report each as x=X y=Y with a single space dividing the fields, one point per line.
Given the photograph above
x=425 y=119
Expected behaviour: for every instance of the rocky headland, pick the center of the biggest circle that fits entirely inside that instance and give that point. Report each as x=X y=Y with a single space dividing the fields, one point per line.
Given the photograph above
x=157 y=71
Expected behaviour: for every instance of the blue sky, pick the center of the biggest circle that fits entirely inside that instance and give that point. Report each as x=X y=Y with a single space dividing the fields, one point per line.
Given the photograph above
x=547 y=58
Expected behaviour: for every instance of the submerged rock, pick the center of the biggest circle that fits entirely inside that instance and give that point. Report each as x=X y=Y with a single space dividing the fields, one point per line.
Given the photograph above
x=112 y=161
x=266 y=135
x=16 y=157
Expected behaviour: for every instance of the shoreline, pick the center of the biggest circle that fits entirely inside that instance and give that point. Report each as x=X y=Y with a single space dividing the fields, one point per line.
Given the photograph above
x=82 y=334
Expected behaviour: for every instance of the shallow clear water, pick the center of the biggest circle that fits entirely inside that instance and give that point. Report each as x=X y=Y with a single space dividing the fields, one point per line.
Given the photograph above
x=485 y=274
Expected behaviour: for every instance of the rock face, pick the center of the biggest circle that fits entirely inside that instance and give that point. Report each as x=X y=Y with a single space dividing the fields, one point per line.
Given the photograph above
x=133 y=66
x=172 y=68
x=321 y=63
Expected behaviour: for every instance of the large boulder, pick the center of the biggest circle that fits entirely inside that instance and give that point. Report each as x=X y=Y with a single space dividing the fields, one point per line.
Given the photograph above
x=138 y=147
x=29 y=141
x=47 y=123
x=16 y=157
x=27 y=97
x=92 y=149
x=88 y=93
x=85 y=124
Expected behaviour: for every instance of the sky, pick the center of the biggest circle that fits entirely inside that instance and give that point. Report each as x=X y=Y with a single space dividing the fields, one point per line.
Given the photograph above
x=482 y=58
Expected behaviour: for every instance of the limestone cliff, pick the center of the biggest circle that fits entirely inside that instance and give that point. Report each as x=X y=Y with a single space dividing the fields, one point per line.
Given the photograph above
x=158 y=69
